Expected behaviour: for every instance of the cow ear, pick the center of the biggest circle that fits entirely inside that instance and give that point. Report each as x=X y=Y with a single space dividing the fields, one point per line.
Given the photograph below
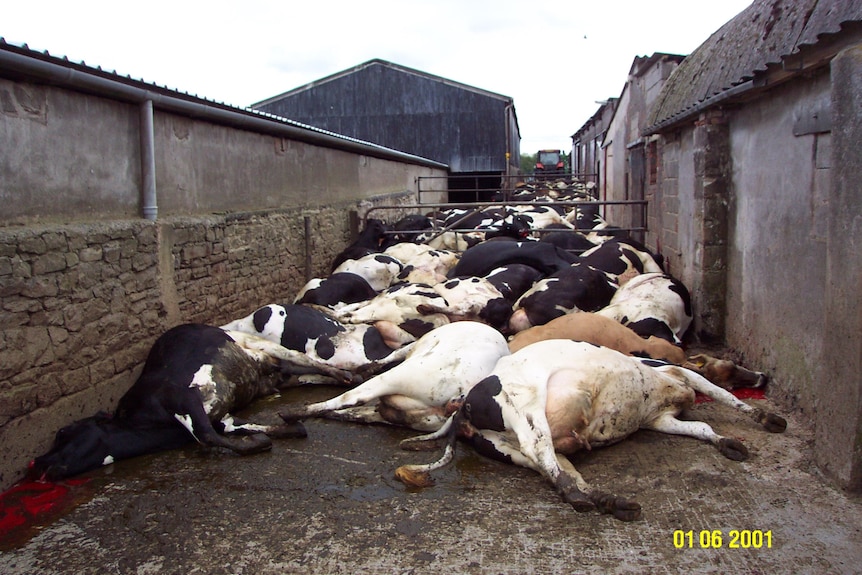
x=698 y=360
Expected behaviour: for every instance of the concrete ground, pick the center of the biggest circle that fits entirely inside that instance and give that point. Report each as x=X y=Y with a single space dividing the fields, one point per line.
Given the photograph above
x=330 y=504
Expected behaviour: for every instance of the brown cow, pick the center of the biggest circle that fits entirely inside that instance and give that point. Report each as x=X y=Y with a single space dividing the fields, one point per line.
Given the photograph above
x=599 y=330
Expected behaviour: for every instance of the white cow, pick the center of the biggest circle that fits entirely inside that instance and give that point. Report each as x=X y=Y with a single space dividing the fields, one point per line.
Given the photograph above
x=556 y=397
x=440 y=367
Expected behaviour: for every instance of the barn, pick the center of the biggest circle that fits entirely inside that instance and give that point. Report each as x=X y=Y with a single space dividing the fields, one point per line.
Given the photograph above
x=474 y=131
x=750 y=162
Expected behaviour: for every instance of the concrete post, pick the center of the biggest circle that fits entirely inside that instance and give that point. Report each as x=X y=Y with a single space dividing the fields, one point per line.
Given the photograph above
x=712 y=179
x=838 y=405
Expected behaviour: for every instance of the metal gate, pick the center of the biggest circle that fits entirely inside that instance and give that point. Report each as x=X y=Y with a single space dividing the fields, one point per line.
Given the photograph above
x=498 y=191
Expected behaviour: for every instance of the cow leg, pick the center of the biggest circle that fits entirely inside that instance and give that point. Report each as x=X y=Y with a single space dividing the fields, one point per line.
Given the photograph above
x=568 y=482
x=384 y=384
x=729 y=447
x=197 y=422
x=535 y=449
x=420 y=475
x=621 y=508
x=392 y=335
x=252 y=344
x=770 y=421
x=357 y=414
x=231 y=424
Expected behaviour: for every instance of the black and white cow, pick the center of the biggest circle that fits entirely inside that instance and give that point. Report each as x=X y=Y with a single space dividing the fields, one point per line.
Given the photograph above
x=323 y=338
x=652 y=304
x=541 y=217
x=336 y=290
x=623 y=258
x=556 y=397
x=471 y=299
x=379 y=270
x=422 y=263
x=578 y=287
x=514 y=280
x=417 y=393
x=513 y=227
x=194 y=377
x=401 y=307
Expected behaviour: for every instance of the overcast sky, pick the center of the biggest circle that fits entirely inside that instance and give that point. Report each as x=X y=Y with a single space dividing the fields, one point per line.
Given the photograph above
x=555 y=59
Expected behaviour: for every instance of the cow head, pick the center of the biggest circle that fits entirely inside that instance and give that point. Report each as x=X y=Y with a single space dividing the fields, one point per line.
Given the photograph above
x=77 y=448
x=725 y=373
x=267 y=322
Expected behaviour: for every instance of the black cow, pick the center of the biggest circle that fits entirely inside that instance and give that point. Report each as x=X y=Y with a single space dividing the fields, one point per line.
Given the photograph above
x=194 y=377
x=371 y=240
x=567 y=239
x=408 y=228
x=485 y=257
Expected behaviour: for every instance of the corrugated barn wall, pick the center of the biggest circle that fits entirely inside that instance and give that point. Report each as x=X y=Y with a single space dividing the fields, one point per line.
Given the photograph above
x=469 y=129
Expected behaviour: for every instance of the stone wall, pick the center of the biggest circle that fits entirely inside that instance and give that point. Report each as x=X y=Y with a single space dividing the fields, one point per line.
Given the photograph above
x=82 y=303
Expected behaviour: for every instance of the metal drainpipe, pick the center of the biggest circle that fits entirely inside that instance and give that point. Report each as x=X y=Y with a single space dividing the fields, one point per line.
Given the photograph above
x=148 y=162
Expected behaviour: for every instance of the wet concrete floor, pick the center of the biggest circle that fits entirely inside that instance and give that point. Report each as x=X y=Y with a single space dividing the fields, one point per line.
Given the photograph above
x=330 y=504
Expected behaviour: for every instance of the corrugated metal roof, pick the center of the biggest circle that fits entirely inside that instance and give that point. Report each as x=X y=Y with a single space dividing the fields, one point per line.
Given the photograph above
x=761 y=36
x=386 y=64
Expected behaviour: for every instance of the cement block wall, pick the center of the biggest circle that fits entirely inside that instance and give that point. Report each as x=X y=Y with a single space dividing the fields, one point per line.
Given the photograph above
x=769 y=245
x=69 y=156
x=86 y=284
x=779 y=233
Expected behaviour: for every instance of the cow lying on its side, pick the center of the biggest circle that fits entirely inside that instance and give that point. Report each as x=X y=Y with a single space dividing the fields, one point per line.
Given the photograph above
x=314 y=332
x=194 y=377
x=600 y=330
x=441 y=366
x=652 y=304
x=556 y=397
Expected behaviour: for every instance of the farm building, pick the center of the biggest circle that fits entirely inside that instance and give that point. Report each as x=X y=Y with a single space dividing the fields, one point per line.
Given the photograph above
x=749 y=158
x=474 y=131
x=587 y=142
x=622 y=149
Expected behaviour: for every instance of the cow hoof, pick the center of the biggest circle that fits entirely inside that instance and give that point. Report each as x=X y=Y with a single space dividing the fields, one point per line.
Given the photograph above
x=413 y=478
x=295 y=430
x=578 y=500
x=256 y=443
x=773 y=423
x=733 y=449
x=626 y=510
x=620 y=507
x=292 y=415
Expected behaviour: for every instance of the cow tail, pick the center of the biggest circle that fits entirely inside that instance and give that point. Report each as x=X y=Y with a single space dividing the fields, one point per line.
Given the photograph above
x=419 y=475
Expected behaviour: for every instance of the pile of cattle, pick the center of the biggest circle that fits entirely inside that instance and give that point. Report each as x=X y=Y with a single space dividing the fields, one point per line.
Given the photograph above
x=531 y=332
